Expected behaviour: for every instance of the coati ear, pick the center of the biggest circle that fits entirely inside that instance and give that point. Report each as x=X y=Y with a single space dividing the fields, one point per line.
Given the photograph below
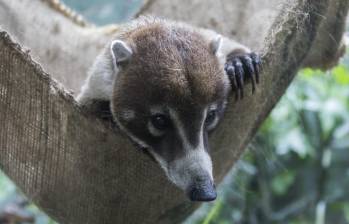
x=216 y=44
x=120 y=51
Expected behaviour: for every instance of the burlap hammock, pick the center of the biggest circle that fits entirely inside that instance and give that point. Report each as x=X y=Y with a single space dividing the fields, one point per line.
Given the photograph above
x=77 y=168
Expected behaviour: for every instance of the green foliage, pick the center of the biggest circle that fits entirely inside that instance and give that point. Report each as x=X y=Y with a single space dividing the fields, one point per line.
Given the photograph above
x=340 y=74
x=212 y=215
x=282 y=182
x=346 y=211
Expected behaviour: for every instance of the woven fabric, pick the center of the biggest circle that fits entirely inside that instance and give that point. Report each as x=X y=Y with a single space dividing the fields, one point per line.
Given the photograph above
x=79 y=170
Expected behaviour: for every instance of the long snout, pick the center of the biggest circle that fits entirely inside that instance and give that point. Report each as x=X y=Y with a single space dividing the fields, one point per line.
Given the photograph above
x=202 y=191
x=193 y=174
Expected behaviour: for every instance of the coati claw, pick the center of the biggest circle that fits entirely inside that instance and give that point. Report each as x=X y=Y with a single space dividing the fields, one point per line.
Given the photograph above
x=241 y=68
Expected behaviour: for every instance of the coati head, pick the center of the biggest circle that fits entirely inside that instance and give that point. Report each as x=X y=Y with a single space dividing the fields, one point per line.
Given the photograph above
x=169 y=94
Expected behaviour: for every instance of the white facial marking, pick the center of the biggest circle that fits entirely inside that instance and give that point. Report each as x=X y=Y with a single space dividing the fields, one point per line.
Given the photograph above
x=184 y=171
x=155 y=132
x=180 y=128
x=214 y=123
x=225 y=103
x=213 y=106
x=157 y=110
x=160 y=160
x=195 y=163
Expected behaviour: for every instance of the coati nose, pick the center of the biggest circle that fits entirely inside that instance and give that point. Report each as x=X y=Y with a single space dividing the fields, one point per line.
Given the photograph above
x=203 y=192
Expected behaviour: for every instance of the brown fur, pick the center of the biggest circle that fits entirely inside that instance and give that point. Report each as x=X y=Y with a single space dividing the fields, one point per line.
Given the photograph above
x=171 y=60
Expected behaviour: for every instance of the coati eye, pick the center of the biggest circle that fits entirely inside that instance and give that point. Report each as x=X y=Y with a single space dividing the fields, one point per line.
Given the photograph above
x=211 y=119
x=159 y=123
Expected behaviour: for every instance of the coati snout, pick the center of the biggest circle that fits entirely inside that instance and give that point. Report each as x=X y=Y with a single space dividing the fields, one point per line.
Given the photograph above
x=168 y=84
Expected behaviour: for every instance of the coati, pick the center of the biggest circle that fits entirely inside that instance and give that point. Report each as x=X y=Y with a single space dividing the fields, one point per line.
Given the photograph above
x=167 y=85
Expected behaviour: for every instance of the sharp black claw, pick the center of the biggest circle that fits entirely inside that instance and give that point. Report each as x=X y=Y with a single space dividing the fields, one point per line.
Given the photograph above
x=256 y=63
x=229 y=68
x=240 y=68
x=239 y=71
x=232 y=78
x=248 y=64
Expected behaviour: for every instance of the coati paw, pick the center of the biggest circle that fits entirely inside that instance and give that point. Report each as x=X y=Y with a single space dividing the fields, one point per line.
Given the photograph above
x=241 y=68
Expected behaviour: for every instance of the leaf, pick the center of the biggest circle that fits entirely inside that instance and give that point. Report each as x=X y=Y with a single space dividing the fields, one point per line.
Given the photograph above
x=346 y=211
x=307 y=73
x=282 y=182
x=341 y=74
x=312 y=126
x=214 y=212
x=293 y=140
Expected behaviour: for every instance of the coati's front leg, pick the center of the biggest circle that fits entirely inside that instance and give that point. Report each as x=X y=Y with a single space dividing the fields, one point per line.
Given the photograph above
x=240 y=63
x=241 y=67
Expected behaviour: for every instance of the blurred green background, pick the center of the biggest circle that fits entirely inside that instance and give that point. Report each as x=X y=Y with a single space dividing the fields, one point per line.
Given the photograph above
x=105 y=11
x=297 y=167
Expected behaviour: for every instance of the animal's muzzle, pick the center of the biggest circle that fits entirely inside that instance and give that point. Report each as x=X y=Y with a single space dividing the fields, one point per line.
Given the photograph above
x=203 y=191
